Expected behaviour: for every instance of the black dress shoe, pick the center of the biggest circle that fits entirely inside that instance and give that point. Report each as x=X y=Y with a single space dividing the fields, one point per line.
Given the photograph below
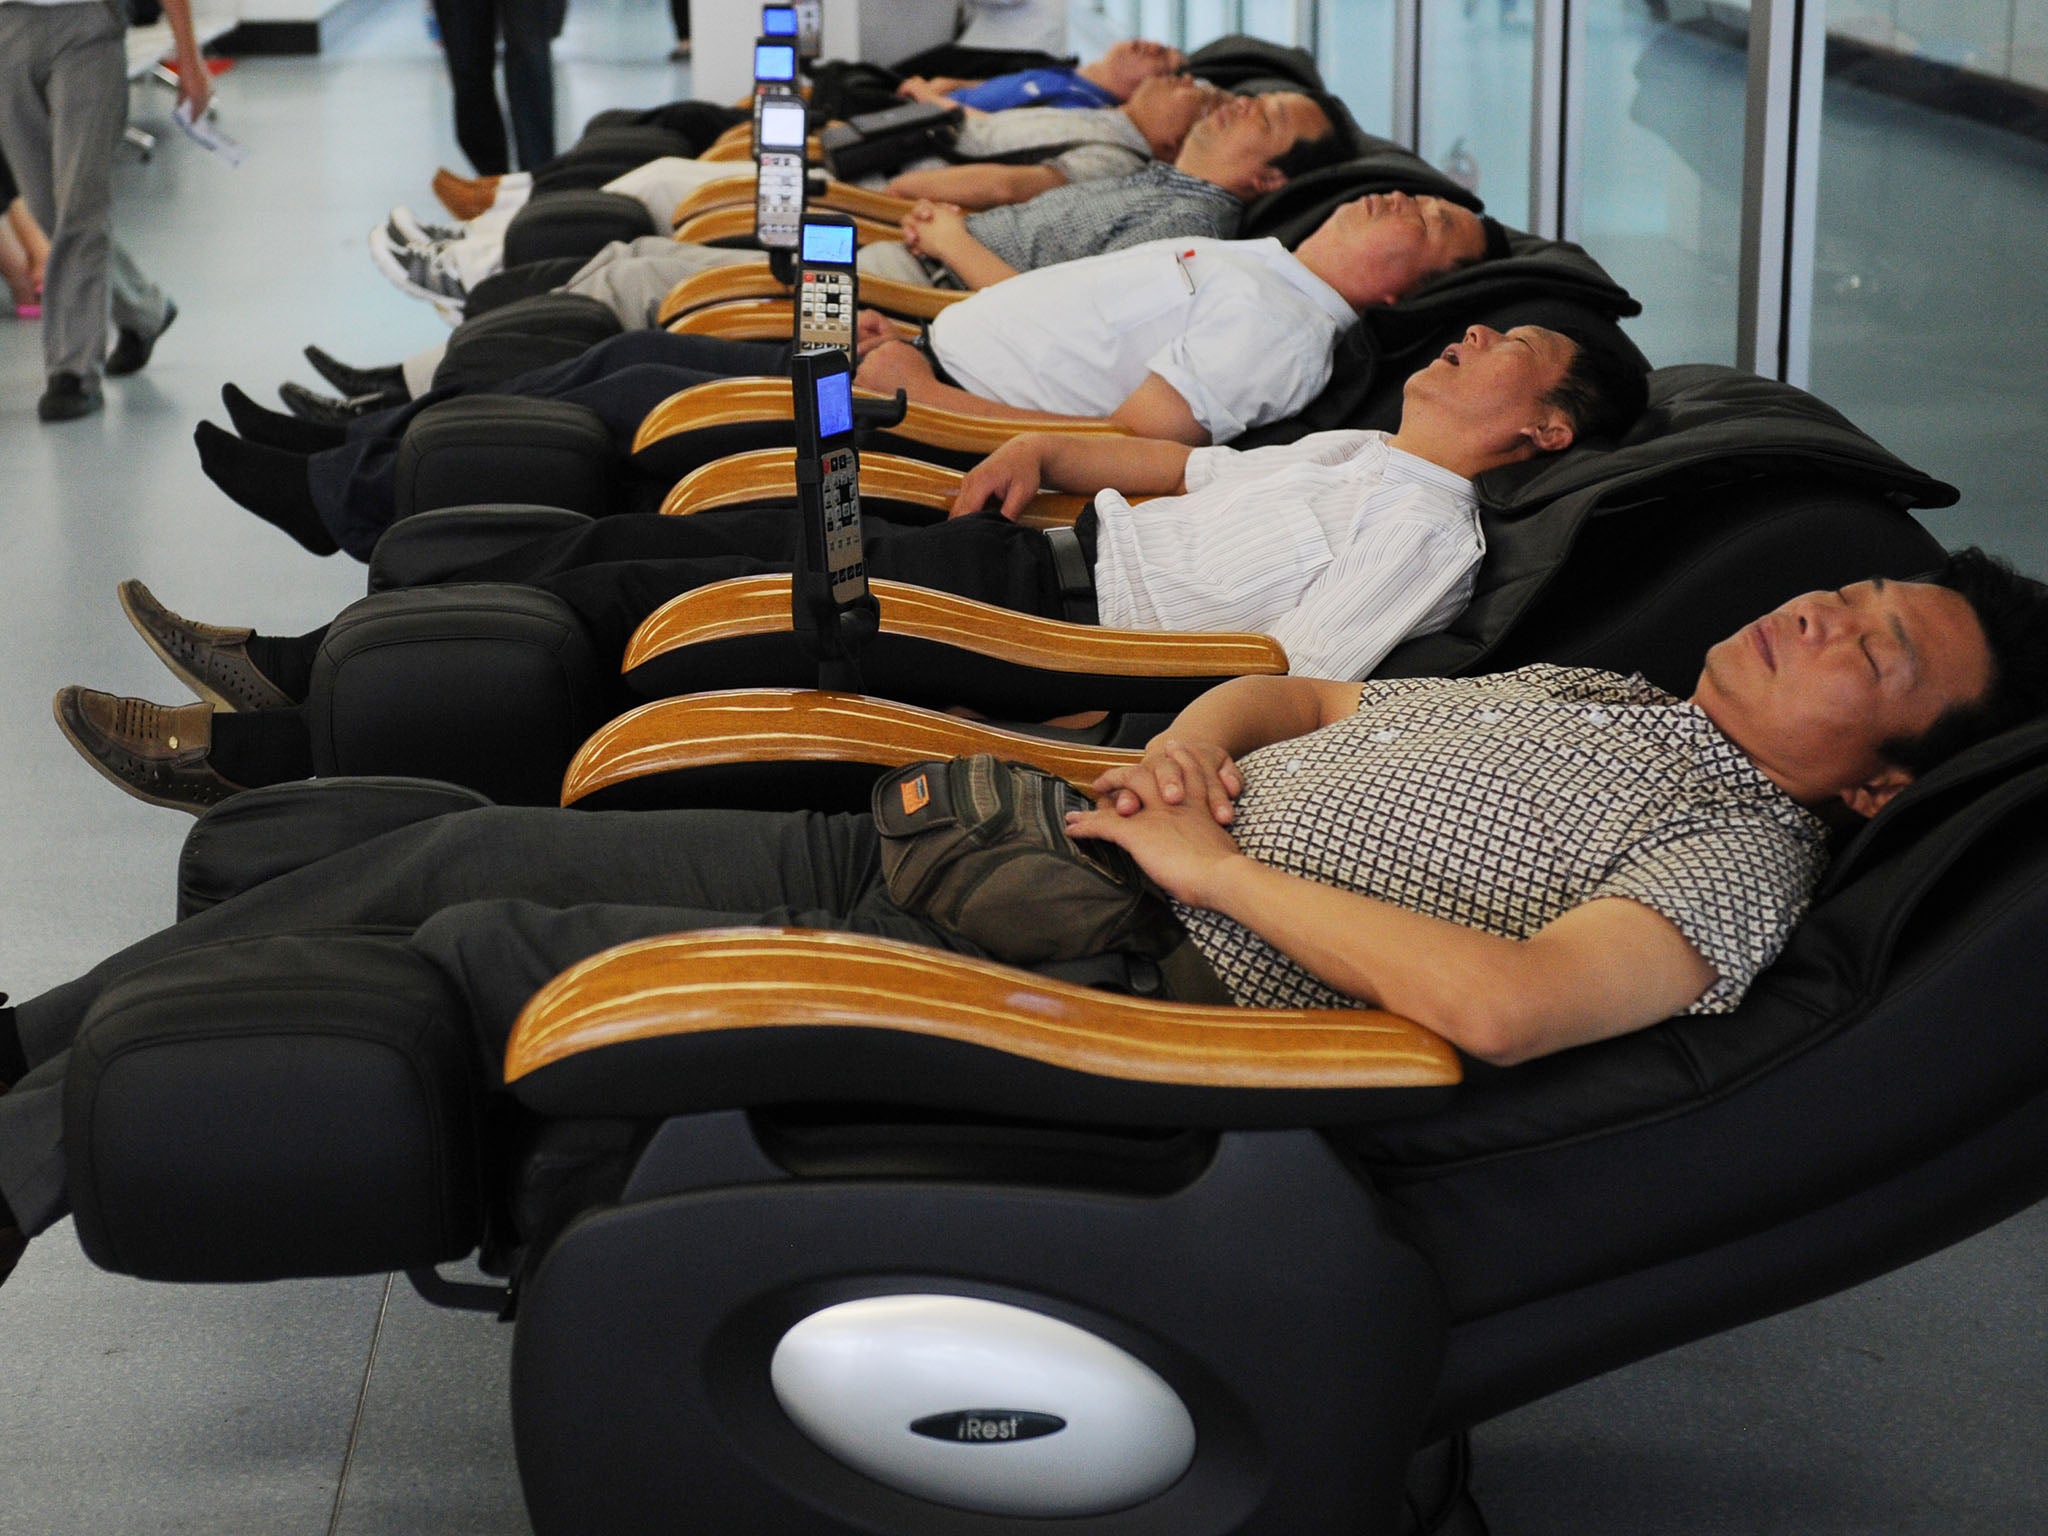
x=132 y=348
x=359 y=381
x=327 y=410
x=67 y=397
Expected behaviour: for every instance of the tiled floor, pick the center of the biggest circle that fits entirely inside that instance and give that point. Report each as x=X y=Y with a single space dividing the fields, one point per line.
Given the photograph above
x=348 y=1406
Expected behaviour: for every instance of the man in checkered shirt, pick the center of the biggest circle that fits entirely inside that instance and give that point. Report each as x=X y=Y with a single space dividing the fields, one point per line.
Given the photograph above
x=1521 y=863
x=1554 y=855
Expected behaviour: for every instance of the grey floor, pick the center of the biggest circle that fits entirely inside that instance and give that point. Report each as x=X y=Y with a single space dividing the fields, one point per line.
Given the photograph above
x=1918 y=1404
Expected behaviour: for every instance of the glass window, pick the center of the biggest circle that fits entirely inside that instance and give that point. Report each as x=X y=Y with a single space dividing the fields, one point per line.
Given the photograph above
x=1930 y=292
x=1662 y=170
x=1478 y=61
x=1355 y=51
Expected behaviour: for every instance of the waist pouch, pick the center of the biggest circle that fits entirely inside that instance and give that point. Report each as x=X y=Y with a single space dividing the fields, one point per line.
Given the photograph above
x=979 y=846
x=878 y=143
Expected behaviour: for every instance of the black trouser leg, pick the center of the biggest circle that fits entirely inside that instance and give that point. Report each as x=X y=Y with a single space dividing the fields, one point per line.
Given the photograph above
x=469 y=38
x=529 y=28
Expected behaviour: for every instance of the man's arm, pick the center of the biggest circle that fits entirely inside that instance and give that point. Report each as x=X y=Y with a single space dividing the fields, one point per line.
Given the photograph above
x=1602 y=969
x=940 y=230
x=195 y=84
x=1035 y=461
x=1154 y=409
x=978 y=186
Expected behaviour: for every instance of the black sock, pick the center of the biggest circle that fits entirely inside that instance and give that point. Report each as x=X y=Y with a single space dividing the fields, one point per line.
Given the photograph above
x=13 y=1064
x=267 y=481
x=274 y=429
x=265 y=746
x=287 y=660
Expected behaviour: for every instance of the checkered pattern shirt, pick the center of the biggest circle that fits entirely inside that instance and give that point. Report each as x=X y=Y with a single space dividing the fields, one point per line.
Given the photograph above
x=1087 y=218
x=1503 y=802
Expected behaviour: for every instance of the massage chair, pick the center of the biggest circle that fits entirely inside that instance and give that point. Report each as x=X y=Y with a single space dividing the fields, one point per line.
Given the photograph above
x=903 y=1243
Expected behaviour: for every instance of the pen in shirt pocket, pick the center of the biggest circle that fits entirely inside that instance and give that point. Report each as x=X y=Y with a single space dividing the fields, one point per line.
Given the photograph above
x=1181 y=260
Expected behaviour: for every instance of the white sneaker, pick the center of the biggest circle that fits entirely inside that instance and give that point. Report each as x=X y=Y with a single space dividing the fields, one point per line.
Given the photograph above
x=407 y=228
x=425 y=272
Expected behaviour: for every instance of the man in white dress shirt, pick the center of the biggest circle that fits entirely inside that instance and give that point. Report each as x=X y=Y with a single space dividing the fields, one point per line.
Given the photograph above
x=1339 y=546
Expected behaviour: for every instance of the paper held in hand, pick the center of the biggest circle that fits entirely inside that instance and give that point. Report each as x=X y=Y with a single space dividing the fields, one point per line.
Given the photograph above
x=209 y=138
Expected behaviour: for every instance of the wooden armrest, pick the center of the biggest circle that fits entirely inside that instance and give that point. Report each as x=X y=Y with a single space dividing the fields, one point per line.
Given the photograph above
x=719 y=285
x=760 y=605
x=838 y=197
x=736 y=221
x=729 y=402
x=805 y=725
x=724 y=148
x=781 y=978
x=771 y=319
x=746 y=477
x=911 y=301
x=722 y=193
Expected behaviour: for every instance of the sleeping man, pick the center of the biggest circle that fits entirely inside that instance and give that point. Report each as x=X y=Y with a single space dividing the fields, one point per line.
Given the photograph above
x=1616 y=855
x=1339 y=546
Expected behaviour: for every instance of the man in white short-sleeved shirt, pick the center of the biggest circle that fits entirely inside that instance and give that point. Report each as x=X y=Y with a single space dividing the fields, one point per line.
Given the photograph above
x=1194 y=341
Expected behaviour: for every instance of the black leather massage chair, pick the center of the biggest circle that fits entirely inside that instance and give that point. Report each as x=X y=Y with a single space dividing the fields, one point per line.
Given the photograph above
x=902 y=1243
x=1730 y=495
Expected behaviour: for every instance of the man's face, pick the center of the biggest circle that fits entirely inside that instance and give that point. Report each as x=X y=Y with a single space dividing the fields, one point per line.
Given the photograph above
x=1815 y=687
x=1488 y=391
x=1395 y=242
x=1166 y=108
x=1236 y=144
x=1128 y=64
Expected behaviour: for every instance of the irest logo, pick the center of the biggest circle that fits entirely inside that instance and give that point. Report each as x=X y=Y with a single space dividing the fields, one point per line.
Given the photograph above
x=988 y=1426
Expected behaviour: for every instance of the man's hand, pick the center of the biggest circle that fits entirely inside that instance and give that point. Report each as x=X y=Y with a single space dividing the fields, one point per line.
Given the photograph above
x=1174 y=772
x=1011 y=475
x=870 y=329
x=917 y=88
x=934 y=228
x=893 y=365
x=1180 y=846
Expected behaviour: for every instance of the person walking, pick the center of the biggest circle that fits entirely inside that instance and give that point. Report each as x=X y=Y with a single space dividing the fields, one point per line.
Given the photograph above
x=63 y=103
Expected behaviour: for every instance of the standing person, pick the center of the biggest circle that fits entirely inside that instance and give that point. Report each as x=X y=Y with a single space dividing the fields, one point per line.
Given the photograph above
x=469 y=38
x=63 y=102
x=679 y=13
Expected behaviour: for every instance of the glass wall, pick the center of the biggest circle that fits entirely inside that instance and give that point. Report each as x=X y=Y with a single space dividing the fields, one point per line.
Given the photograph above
x=1355 y=47
x=1477 y=63
x=1930 y=319
x=1662 y=171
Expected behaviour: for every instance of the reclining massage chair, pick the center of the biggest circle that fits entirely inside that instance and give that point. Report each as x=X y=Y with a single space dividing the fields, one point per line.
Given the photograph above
x=1730 y=495
x=905 y=1243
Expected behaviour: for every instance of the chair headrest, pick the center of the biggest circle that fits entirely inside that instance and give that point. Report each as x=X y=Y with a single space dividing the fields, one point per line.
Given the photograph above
x=1944 y=793
x=1706 y=423
x=1237 y=58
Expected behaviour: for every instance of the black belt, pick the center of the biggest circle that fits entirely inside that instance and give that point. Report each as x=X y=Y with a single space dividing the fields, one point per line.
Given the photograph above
x=1073 y=566
x=923 y=342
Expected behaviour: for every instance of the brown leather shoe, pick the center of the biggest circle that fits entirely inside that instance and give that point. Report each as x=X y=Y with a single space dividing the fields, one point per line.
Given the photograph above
x=212 y=661
x=464 y=196
x=155 y=752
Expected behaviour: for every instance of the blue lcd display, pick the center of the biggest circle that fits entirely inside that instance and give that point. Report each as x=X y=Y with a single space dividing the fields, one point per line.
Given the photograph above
x=778 y=21
x=829 y=243
x=774 y=61
x=835 y=404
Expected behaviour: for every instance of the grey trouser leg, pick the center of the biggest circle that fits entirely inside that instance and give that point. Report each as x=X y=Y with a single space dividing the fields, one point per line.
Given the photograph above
x=632 y=277
x=63 y=99
x=496 y=878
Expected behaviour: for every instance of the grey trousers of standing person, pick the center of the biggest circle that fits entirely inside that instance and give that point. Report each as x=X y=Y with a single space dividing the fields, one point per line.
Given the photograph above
x=63 y=102
x=498 y=899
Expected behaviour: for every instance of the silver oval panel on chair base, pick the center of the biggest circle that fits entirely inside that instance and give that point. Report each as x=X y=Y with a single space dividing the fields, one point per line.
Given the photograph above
x=983 y=1405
